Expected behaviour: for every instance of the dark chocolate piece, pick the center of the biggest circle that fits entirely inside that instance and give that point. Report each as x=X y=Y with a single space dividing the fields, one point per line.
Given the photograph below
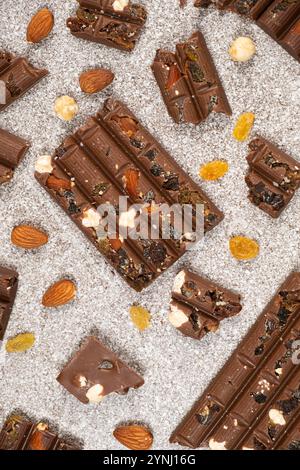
x=189 y=82
x=12 y=151
x=279 y=18
x=20 y=433
x=273 y=178
x=18 y=75
x=8 y=290
x=199 y=305
x=95 y=371
x=114 y=23
x=113 y=155
x=254 y=401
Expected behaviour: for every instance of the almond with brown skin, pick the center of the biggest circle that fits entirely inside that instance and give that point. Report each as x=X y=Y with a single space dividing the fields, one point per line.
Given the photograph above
x=131 y=182
x=60 y=293
x=95 y=80
x=134 y=437
x=57 y=183
x=28 y=237
x=40 y=25
x=174 y=76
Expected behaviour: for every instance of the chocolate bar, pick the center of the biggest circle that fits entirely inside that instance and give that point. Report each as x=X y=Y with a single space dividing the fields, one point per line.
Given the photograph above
x=273 y=178
x=254 y=401
x=8 y=291
x=279 y=18
x=199 y=305
x=20 y=433
x=18 y=76
x=114 y=23
x=95 y=371
x=113 y=155
x=189 y=81
x=12 y=151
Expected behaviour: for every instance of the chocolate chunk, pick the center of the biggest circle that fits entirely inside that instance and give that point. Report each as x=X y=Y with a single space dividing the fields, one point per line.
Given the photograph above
x=105 y=22
x=198 y=305
x=20 y=433
x=89 y=378
x=100 y=163
x=8 y=290
x=12 y=151
x=279 y=18
x=18 y=76
x=273 y=178
x=257 y=395
x=189 y=81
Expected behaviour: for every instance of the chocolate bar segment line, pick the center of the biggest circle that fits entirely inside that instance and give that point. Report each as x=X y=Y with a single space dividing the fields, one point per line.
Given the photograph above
x=278 y=18
x=95 y=371
x=8 y=291
x=199 y=305
x=113 y=155
x=273 y=177
x=20 y=433
x=12 y=151
x=189 y=82
x=242 y=408
x=18 y=75
x=108 y=22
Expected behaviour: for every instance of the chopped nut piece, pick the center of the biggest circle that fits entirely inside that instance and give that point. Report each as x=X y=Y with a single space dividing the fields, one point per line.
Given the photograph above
x=276 y=417
x=94 y=394
x=44 y=164
x=91 y=218
x=119 y=5
x=242 y=49
x=214 y=445
x=177 y=317
x=66 y=108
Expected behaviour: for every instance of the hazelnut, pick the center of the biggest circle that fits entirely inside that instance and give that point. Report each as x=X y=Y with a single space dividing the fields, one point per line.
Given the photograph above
x=42 y=427
x=94 y=394
x=177 y=317
x=119 y=5
x=66 y=108
x=91 y=218
x=242 y=49
x=44 y=164
x=178 y=282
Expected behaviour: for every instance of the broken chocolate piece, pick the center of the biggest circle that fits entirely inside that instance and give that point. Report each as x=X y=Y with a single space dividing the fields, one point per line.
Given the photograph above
x=279 y=18
x=20 y=433
x=109 y=22
x=8 y=290
x=95 y=371
x=102 y=162
x=273 y=178
x=198 y=305
x=12 y=151
x=254 y=401
x=189 y=82
x=18 y=76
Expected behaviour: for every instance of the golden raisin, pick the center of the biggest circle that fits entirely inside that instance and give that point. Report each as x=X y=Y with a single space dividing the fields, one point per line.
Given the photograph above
x=243 y=248
x=140 y=317
x=243 y=126
x=213 y=170
x=20 y=343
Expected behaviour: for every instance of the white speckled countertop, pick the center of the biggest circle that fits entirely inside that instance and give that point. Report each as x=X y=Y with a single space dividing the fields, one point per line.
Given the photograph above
x=176 y=369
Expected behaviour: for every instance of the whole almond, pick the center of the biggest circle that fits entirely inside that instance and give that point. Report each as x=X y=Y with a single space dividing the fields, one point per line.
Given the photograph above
x=40 y=25
x=28 y=237
x=95 y=80
x=134 y=437
x=57 y=183
x=59 y=293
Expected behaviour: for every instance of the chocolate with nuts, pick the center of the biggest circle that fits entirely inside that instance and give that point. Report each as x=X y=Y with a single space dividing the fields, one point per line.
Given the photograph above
x=12 y=151
x=8 y=290
x=254 y=401
x=279 y=18
x=18 y=76
x=199 y=305
x=189 y=82
x=113 y=155
x=273 y=177
x=114 y=23
x=20 y=433
x=95 y=371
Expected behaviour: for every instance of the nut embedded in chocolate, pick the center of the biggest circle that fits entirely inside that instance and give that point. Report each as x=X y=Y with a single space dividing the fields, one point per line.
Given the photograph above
x=8 y=290
x=12 y=151
x=95 y=371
